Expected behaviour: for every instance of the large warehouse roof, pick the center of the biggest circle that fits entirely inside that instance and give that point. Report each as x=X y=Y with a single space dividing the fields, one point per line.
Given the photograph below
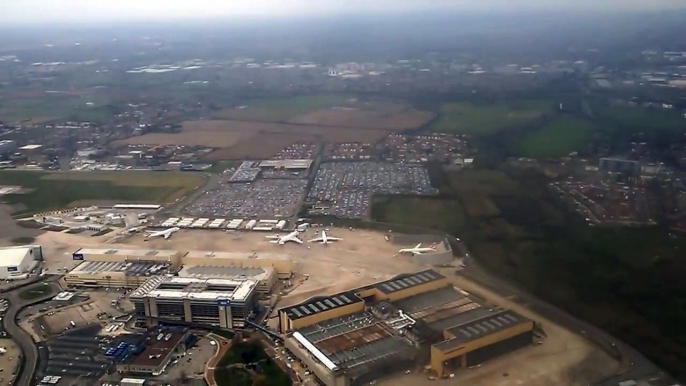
x=13 y=256
x=405 y=281
x=479 y=328
x=164 y=287
x=319 y=304
x=127 y=252
x=236 y=255
x=137 y=268
x=355 y=340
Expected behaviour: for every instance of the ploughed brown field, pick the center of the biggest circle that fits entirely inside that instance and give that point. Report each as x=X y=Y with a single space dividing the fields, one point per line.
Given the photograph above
x=255 y=136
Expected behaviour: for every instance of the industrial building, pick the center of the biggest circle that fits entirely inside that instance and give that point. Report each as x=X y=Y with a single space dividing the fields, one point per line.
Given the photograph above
x=128 y=255
x=114 y=274
x=217 y=302
x=287 y=164
x=357 y=336
x=160 y=349
x=281 y=263
x=15 y=262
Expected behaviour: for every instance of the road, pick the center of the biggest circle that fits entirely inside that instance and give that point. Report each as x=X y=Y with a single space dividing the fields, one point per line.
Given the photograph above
x=634 y=366
x=21 y=337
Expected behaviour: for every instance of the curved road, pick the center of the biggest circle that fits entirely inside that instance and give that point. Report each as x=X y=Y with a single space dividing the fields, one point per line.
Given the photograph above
x=23 y=339
x=634 y=365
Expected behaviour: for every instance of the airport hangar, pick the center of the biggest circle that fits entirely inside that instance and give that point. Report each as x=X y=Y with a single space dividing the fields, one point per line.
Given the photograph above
x=354 y=337
x=130 y=268
x=15 y=262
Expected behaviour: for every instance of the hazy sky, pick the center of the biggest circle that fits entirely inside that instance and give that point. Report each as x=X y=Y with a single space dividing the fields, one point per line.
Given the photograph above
x=41 y=11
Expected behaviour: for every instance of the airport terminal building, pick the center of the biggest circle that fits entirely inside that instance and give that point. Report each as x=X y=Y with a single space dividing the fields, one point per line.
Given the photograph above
x=357 y=336
x=216 y=302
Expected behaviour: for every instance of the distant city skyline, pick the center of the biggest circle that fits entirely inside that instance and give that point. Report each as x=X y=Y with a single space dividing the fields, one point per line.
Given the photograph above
x=88 y=11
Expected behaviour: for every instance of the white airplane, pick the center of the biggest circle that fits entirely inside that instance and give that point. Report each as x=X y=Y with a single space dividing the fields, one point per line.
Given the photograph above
x=418 y=250
x=3 y=350
x=165 y=233
x=281 y=240
x=325 y=239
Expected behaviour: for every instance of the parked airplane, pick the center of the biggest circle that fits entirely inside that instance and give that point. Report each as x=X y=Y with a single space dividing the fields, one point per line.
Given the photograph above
x=325 y=239
x=165 y=233
x=418 y=250
x=3 y=350
x=281 y=240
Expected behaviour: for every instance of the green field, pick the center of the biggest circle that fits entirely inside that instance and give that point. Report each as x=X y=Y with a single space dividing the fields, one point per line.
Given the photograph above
x=468 y=118
x=55 y=107
x=425 y=212
x=281 y=109
x=36 y=291
x=231 y=372
x=641 y=118
x=559 y=138
x=301 y=103
x=58 y=190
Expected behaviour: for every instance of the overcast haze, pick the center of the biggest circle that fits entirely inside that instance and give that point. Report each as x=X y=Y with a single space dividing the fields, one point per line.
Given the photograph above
x=60 y=11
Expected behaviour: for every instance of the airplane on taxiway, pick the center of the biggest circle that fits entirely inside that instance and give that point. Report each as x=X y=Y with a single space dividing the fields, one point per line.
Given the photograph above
x=418 y=250
x=325 y=239
x=165 y=233
x=281 y=240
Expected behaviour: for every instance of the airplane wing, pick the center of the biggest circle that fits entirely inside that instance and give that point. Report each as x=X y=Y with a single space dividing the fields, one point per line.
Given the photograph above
x=418 y=245
x=297 y=240
x=167 y=235
x=417 y=252
x=334 y=238
x=317 y=239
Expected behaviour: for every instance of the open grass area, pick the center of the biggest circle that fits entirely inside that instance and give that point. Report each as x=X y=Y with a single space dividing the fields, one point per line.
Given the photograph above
x=54 y=106
x=281 y=109
x=468 y=118
x=36 y=291
x=426 y=212
x=58 y=190
x=260 y=369
x=642 y=118
x=559 y=138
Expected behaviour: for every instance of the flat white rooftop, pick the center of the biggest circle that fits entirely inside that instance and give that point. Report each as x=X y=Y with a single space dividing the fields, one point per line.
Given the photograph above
x=236 y=255
x=178 y=288
x=287 y=163
x=127 y=252
x=13 y=256
x=219 y=272
x=30 y=147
